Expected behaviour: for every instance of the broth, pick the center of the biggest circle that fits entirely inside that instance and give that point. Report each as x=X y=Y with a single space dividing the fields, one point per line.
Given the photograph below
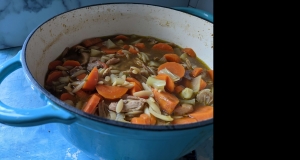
x=133 y=79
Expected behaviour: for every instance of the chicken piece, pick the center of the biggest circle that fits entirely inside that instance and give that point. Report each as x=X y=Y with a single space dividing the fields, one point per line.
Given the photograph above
x=97 y=64
x=130 y=104
x=205 y=97
x=183 y=109
x=113 y=61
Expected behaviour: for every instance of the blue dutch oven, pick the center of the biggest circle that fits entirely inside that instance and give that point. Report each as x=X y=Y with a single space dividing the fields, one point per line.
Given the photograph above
x=98 y=137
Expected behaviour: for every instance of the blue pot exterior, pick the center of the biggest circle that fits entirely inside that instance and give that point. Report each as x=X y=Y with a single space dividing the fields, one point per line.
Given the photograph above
x=100 y=140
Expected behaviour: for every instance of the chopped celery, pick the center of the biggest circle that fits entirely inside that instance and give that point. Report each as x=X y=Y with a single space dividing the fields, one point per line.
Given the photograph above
x=174 y=77
x=183 y=56
x=190 y=101
x=156 y=83
x=110 y=44
x=186 y=93
x=196 y=83
x=95 y=52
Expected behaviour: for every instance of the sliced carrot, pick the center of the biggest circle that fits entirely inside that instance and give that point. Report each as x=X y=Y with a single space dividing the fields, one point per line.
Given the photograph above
x=178 y=89
x=91 y=105
x=146 y=117
x=132 y=50
x=140 y=45
x=152 y=119
x=120 y=52
x=171 y=57
x=67 y=96
x=170 y=85
x=54 y=75
x=211 y=74
x=111 y=92
x=71 y=63
x=189 y=51
x=173 y=67
x=126 y=46
x=203 y=84
x=202 y=113
x=81 y=76
x=184 y=120
x=123 y=37
x=91 y=41
x=166 y=101
x=109 y=51
x=52 y=65
x=196 y=72
x=91 y=80
x=138 y=120
x=134 y=89
x=81 y=95
x=162 y=47
x=131 y=79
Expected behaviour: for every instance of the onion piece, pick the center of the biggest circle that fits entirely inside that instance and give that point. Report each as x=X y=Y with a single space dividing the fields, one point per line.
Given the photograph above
x=78 y=87
x=153 y=105
x=78 y=73
x=173 y=76
x=156 y=83
x=190 y=101
x=160 y=116
x=196 y=83
x=146 y=87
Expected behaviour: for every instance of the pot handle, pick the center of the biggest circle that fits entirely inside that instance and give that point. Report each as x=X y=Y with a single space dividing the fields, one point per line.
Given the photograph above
x=197 y=12
x=50 y=113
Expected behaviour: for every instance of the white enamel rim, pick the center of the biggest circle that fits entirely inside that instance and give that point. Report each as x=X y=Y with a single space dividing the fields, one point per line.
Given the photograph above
x=48 y=40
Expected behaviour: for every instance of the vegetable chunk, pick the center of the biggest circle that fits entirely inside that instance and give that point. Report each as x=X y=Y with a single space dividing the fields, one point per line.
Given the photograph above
x=166 y=101
x=111 y=92
x=173 y=67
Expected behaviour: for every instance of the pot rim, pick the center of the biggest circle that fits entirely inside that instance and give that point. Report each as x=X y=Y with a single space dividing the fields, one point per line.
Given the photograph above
x=94 y=117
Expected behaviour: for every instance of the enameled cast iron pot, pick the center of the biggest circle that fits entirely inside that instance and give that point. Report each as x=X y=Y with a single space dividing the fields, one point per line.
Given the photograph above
x=101 y=138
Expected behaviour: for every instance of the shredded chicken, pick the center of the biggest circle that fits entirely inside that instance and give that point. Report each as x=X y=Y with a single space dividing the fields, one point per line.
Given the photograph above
x=131 y=103
x=97 y=64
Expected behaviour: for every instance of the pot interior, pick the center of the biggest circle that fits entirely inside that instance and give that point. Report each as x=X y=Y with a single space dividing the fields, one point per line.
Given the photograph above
x=48 y=40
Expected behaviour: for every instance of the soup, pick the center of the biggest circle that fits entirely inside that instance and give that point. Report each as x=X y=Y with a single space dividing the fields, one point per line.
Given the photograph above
x=133 y=79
